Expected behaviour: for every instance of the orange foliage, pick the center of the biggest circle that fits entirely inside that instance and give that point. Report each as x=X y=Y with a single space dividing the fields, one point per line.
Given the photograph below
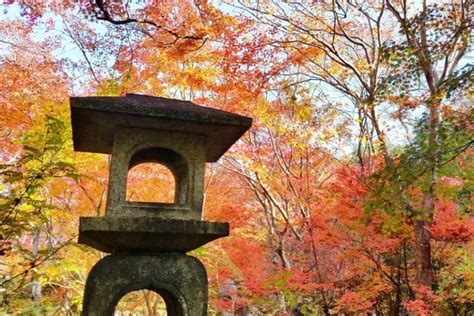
x=448 y=226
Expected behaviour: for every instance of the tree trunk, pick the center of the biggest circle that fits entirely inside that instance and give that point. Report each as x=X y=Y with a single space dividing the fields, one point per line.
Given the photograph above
x=395 y=305
x=424 y=274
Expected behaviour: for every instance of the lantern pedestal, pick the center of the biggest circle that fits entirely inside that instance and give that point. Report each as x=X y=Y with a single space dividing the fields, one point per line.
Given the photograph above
x=181 y=281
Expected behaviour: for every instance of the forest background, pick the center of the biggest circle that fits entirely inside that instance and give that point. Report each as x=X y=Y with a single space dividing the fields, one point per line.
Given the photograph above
x=352 y=192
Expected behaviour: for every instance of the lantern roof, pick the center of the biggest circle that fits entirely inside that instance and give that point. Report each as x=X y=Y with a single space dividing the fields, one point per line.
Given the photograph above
x=95 y=120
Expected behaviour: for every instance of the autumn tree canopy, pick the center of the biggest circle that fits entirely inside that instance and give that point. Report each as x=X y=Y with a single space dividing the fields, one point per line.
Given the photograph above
x=352 y=192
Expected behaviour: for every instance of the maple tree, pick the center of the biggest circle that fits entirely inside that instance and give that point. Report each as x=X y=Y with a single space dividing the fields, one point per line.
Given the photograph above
x=352 y=192
x=416 y=67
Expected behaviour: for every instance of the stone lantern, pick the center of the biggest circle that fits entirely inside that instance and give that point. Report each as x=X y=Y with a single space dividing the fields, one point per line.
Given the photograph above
x=148 y=241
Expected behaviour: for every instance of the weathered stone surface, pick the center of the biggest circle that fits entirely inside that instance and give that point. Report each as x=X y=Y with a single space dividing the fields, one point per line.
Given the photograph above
x=95 y=119
x=119 y=234
x=181 y=281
